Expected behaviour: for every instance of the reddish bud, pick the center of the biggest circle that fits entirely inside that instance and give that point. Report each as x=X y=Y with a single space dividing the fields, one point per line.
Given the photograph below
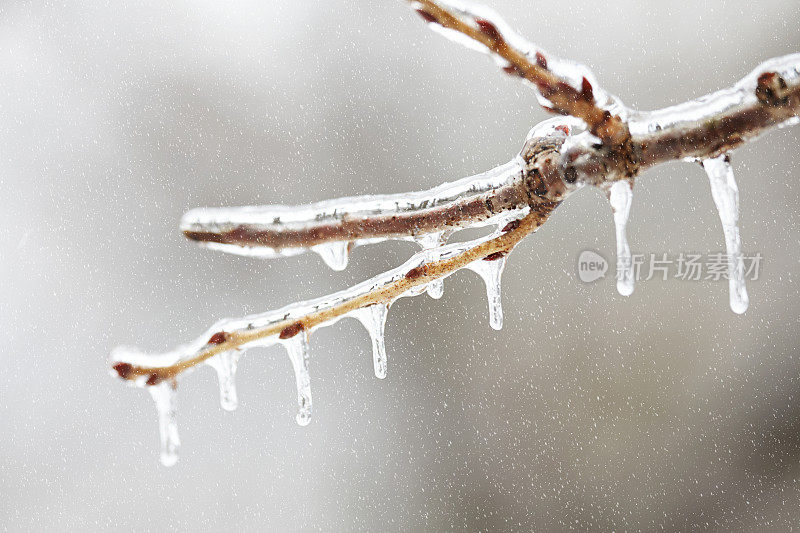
x=123 y=369
x=153 y=379
x=563 y=128
x=290 y=331
x=489 y=30
x=495 y=256
x=511 y=226
x=217 y=338
x=766 y=79
x=512 y=70
x=770 y=89
x=427 y=17
x=541 y=61
x=587 y=92
x=415 y=272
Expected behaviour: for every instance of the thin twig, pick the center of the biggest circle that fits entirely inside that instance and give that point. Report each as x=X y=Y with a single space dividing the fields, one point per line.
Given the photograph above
x=564 y=98
x=419 y=276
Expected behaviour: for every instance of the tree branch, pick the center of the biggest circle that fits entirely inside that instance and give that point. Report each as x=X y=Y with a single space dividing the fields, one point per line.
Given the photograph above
x=285 y=323
x=272 y=231
x=602 y=143
x=284 y=230
x=567 y=88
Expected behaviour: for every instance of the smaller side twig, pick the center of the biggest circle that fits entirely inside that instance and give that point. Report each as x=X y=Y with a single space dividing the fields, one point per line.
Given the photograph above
x=563 y=97
x=305 y=316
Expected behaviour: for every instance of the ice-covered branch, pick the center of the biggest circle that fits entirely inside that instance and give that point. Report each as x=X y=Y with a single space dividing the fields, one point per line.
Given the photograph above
x=562 y=86
x=767 y=97
x=291 y=326
x=334 y=227
x=536 y=178
x=707 y=127
x=285 y=323
x=601 y=143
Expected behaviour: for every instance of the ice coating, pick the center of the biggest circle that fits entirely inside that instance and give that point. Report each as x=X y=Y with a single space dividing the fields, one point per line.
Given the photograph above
x=571 y=71
x=164 y=396
x=620 y=196
x=297 y=350
x=299 y=309
x=225 y=364
x=373 y=318
x=313 y=217
x=726 y=197
x=491 y=272
x=685 y=116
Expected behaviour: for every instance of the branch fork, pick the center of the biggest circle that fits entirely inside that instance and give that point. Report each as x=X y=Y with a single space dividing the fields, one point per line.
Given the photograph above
x=595 y=141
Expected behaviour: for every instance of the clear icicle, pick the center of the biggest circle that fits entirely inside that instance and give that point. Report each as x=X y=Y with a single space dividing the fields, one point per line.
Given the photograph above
x=164 y=396
x=225 y=364
x=726 y=197
x=620 y=196
x=429 y=243
x=491 y=272
x=335 y=254
x=435 y=288
x=297 y=349
x=373 y=318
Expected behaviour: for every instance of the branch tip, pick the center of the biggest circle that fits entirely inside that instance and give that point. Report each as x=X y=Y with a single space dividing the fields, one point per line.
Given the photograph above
x=123 y=369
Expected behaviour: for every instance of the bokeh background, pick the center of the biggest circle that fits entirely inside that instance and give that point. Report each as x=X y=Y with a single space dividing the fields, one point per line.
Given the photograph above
x=589 y=411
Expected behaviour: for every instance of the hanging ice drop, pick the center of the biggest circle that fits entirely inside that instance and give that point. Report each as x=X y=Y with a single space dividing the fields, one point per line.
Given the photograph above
x=491 y=270
x=429 y=243
x=726 y=197
x=620 y=195
x=225 y=364
x=164 y=396
x=373 y=318
x=334 y=254
x=297 y=349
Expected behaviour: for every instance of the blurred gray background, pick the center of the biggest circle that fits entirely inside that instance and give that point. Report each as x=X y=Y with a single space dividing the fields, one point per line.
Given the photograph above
x=589 y=411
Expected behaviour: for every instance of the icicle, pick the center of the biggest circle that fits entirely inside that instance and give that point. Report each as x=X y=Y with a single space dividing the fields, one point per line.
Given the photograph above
x=726 y=197
x=429 y=243
x=373 y=318
x=225 y=364
x=435 y=288
x=297 y=349
x=335 y=254
x=164 y=396
x=620 y=195
x=491 y=272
